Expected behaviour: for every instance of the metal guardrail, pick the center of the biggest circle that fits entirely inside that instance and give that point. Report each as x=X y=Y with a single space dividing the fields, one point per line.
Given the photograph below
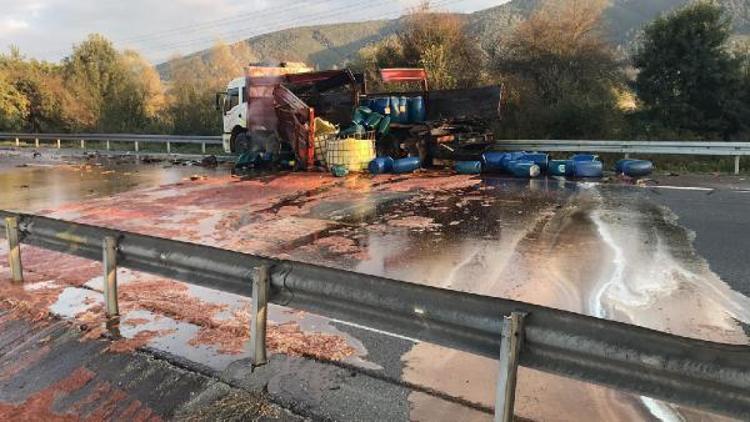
x=736 y=149
x=706 y=375
x=136 y=139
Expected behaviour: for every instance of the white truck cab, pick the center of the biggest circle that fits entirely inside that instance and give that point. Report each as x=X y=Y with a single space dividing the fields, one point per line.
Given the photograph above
x=233 y=105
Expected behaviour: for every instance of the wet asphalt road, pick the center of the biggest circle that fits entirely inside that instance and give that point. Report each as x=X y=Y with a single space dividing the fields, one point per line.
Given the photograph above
x=717 y=217
x=720 y=220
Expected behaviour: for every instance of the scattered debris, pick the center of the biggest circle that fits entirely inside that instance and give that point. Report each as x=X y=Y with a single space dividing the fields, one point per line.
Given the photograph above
x=127 y=345
x=210 y=161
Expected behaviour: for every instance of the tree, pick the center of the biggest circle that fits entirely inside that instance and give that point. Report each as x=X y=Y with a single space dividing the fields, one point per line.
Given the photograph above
x=688 y=80
x=13 y=104
x=135 y=103
x=440 y=43
x=437 y=42
x=195 y=82
x=563 y=75
x=94 y=74
x=39 y=90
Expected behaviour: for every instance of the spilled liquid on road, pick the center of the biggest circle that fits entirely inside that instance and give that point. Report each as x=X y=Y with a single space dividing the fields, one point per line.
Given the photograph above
x=604 y=251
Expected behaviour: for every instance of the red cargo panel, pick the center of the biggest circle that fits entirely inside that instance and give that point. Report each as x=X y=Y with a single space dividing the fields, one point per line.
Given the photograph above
x=296 y=125
x=403 y=75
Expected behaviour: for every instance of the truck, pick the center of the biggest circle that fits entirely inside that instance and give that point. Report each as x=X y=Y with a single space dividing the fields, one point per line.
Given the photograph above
x=244 y=110
x=273 y=110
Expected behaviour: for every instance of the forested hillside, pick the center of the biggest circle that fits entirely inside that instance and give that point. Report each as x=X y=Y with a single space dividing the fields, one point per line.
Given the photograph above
x=336 y=45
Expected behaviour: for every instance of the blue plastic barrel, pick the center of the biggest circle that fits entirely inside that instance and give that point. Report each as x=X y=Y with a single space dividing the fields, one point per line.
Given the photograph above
x=380 y=105
x=403 y=109
x=557 y=167
x=538 y=158
x=589 y=169
x=585 y=157
x=381 y=165
x=406 y=165
x=619 y=164
x=468 y=167
x=524 y=169
x=510 y=157
x=637 y=168
x=417 y=112
x=493 y=160
x=570 y=168
x=395 y=110
x=361 y=115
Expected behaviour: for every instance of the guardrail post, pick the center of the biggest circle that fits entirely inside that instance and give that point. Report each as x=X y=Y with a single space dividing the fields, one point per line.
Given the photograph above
x=736 y=164
x=107 y=144
x=136 y=146
x=203 y=148
x=169 y=148
x=59 y=144
x=510 y=348
x=259 y=317
x=14 y=249
x=83 y=144
x=36 y=142
x=18 y=142
x=109 y=258
x=627 y=155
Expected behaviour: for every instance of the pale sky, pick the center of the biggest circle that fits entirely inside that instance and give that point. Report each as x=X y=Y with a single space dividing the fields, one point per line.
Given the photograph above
x=47 y=29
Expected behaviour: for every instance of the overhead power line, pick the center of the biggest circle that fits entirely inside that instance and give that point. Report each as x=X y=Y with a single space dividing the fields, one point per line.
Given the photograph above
x=277 y=22
x=292 y=23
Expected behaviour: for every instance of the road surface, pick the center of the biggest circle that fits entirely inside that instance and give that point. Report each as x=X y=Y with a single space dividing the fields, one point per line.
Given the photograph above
x=667 y=257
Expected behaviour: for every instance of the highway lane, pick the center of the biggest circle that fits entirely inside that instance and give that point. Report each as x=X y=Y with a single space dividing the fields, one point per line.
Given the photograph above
x=720 y=219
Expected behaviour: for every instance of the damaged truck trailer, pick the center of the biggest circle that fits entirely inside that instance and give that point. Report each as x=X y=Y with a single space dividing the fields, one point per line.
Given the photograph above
x=274 y=114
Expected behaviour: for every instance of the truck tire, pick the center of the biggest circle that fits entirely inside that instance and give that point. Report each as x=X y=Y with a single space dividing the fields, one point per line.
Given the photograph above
x=237 y=131
x=244 y=143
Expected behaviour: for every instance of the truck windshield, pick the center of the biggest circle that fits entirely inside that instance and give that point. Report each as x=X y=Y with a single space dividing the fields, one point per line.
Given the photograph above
x=233 y=99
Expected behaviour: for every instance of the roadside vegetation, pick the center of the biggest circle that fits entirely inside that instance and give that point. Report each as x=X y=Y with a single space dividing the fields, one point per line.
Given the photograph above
x=686 y=77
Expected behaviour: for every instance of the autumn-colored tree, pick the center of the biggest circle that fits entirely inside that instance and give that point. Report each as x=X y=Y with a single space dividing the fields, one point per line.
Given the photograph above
x=42 y=101
x=435 y=41
x=564 y=77
x=13 y=104
x=196 y=81
x=440 y=43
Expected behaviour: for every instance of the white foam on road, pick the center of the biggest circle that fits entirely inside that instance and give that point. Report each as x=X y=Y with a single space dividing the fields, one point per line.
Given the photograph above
x=688 y=188
x=660 y=410
x=646 y=284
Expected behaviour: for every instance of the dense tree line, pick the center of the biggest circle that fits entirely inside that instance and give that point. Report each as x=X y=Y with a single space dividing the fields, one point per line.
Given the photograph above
x=686 y=78
x=100 y=89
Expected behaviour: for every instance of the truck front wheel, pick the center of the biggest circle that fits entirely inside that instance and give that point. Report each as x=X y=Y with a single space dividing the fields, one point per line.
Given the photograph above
x=233 y=147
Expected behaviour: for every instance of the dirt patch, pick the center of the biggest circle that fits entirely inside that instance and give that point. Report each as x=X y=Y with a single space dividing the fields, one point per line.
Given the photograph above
x=237 y=406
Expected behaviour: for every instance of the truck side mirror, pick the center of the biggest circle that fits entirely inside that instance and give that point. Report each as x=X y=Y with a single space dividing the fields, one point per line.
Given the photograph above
x=220 y=99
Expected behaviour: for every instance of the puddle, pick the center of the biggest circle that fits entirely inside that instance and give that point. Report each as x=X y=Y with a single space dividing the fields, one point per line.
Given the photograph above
x=48 y=185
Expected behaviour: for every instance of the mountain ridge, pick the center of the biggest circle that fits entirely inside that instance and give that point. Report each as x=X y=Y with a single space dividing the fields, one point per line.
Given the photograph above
x=332 y=45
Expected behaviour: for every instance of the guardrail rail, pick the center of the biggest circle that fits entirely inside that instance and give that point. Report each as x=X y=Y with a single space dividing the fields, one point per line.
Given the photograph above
x=735 y=149
x=108 y=138
x=696 y=373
